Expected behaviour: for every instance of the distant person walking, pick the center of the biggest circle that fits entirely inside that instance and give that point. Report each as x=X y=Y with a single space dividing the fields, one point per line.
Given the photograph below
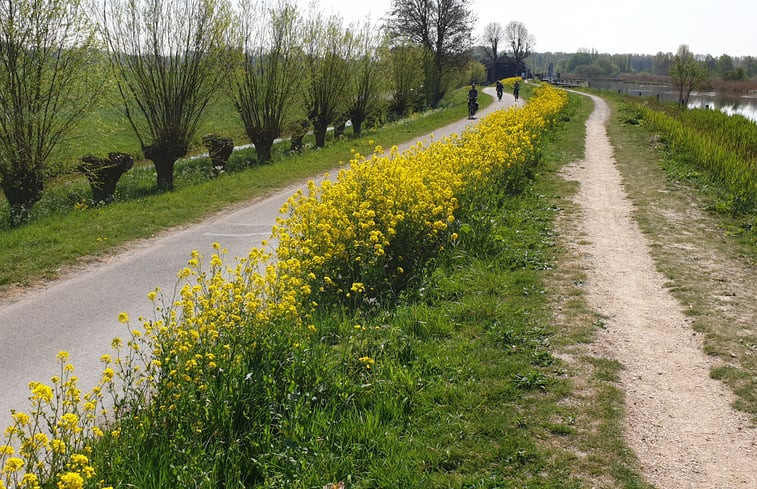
x=516 y=89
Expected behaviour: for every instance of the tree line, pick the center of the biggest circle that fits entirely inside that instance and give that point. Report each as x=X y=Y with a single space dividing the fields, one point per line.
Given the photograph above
x=590 y=63
x=284 y=70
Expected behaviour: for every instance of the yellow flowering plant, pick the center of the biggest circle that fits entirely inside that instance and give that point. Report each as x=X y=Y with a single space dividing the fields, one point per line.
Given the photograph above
x=50 y=442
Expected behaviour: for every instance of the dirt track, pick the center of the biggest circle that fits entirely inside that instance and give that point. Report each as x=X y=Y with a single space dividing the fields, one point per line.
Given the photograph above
x=678 y=420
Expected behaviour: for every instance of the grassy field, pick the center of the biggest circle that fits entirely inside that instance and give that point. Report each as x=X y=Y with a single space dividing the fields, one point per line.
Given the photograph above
x=66 y=228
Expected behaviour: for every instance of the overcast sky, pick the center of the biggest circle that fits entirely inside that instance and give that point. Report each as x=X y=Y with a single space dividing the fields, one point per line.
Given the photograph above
x=610 y=26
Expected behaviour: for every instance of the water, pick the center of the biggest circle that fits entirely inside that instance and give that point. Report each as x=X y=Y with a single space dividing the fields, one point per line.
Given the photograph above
x=729 y=103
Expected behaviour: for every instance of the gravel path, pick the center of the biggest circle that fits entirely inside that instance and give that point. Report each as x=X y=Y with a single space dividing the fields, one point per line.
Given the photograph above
x=679 y=420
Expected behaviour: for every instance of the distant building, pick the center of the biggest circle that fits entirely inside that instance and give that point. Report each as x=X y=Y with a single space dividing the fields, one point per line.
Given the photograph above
x=505 y=68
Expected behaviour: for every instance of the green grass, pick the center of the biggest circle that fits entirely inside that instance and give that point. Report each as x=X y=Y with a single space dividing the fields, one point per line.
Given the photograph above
x=63 y=231
x=105 y=129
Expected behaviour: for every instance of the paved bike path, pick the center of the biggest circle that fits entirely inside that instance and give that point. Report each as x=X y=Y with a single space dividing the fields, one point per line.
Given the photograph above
x=79 y=313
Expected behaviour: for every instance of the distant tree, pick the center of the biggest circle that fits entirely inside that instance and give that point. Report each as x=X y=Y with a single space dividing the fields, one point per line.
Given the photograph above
x=735 y=75
x=493 y=35
x=642 y=63
x=724 y=65
x=328 y=49
x=475 y=72
x=749 y=63
x=622 y=62
x=661 y=63
x=166 y=58
x=366 y=78
x=687 y=74
x=268 y=43
x=579 y=59
x=521 y=43
x=711 y=63
x=443 y=29
x=48 y=81
x=541 y=62
x=405 y=78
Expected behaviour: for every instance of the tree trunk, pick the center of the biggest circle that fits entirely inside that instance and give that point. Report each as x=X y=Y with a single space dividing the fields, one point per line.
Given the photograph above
x=164 y=156
x=319 y=130
x=22 y=188
x=219 y=151
x=103 y=173
x=263 y=149
x=357 y=123
x=164 y=169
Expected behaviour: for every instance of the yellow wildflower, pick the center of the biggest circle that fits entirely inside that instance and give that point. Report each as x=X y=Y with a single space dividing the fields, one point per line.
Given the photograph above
x=12 y=465
x=367 y=361
x=70 y=480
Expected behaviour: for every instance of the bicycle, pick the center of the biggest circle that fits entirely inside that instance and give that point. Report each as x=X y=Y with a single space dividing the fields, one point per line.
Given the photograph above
x=472 y=108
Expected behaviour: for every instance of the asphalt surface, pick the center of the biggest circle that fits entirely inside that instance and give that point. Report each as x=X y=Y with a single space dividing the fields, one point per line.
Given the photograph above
x=79 y=313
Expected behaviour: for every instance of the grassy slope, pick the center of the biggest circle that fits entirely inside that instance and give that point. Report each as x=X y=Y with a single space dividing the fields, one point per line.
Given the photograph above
x=60 y=236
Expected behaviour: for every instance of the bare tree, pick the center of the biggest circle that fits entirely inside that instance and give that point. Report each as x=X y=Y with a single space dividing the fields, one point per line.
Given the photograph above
x=687 y=74
x=442 y=28
x=270 y=67
x=520 y=41
x=366 y=79
x=165 y=55
x=327 y=54
x=48 y=81
x=493 y=34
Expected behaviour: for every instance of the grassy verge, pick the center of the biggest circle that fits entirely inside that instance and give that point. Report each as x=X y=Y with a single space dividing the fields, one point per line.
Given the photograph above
x=707 y=252
x=65 y=229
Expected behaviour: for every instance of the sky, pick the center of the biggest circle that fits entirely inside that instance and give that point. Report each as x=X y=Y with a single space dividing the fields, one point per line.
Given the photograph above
x=608 y=26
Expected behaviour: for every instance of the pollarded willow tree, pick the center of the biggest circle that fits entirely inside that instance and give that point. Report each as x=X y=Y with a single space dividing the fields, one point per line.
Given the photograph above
x=521 y=43
x=49 y=78
x=268 y=46
x=493 y=35
x=328 y=50
x=367 y=77
x=167 y=59
x=443 y=29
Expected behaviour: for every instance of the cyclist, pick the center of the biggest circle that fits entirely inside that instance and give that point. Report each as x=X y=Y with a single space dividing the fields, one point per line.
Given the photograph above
x=472 y=101
x=500 y=89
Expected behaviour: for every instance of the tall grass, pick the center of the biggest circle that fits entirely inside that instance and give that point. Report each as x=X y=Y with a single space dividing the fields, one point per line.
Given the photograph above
x=724 y=146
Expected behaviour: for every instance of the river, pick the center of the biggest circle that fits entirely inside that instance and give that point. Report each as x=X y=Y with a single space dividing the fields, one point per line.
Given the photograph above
x=727 y=102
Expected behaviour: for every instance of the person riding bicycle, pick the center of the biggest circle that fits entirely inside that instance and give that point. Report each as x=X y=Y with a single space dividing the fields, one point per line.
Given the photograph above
x=500 y=89
x=472 y=101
